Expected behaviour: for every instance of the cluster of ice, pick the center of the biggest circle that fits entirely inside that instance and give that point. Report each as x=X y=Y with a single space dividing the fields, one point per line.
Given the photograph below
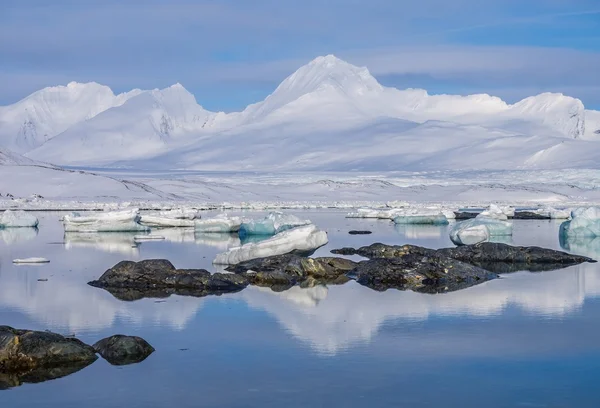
x=304 y=238
x=17 y=219
x=218 y=224
x=393 y=213
x=480 y=229
x=174 y=218
x=498 y=213
x=272 y=224
x=433 y=219
x=382 y=214
x=109 y=221
x=585 y=222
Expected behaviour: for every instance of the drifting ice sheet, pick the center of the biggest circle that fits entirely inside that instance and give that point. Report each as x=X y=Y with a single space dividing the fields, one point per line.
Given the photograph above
x=304 y=238
x=167 y=219
x=585 y=222
x=554 y=213
x=272 y=224
x=478 y=230
x=219 y=224
x=115 y=221
x=17 y=219
x=438 y=219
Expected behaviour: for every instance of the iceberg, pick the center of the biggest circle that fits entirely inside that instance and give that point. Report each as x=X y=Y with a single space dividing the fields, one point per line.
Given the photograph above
x=174 y=218
x=553 y=213
x=272 y=224
x=437 y=219
x=18 y=219
x=31 y=261
x=478 y=230
x=219 y=224
x=375 y=213
x=117 y=242
x=110 y=221
x=497 y=212
x=304 y=238
x=585 y=222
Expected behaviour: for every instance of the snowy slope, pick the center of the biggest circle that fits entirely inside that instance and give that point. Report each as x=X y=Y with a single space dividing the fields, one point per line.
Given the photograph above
x=145 y=124
x=328 y=115
x=8 y=158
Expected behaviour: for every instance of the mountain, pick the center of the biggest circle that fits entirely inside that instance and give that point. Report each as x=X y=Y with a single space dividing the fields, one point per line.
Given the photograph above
x=328 y=115
x=44 y=114
x=8 y=158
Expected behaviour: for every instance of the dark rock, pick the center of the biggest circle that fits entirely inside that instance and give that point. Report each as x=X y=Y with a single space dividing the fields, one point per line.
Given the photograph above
x=410 y=271
x=123 y=350
x=22 y=351
x=465 y=215
x=288 y=270
x=528 y=215
x=379 y=250
x=354 y=232
x=158 y=278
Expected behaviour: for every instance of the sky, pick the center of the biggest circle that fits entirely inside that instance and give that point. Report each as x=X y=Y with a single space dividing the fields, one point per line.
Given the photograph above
x=230 y=53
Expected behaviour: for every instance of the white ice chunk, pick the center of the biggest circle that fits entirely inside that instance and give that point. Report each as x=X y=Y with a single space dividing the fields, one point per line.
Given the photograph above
x=387 y=214
x=18 y=219
x=150 y=237
x=497 y=212
x=478 y=230
x=553 y=213
x=180 y=217
x=304 y=238
x=110 y=221
x=435 y=219
x=220 y=223
x=585 y=222
x=272 y=224
x=30 y=261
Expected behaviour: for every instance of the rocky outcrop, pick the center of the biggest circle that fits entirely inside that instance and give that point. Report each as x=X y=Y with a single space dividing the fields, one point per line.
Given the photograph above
x=413 y=271
x=28 y=356
x=159 y=278
x=284 y=271
x=495 y=257
x=123 y=350
x=529 y=215
x=359 y=232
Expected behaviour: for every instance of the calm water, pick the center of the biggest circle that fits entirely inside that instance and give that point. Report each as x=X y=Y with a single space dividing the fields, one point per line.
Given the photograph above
x=527 y=340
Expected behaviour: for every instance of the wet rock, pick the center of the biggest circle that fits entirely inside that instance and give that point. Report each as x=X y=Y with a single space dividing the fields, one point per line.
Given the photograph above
x=123 y=350
x=411 y=271
x=379 y=250
x=22 y=351
x=158 y=278
x=355 y=232
x=528 y=215
x=288 y=270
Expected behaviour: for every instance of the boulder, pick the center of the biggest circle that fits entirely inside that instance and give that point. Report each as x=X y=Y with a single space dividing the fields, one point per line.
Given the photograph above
x=355 y=232
x=22 y=351
x=158 y=278
x=530 y=215
x=465 y=215
x=123 y=350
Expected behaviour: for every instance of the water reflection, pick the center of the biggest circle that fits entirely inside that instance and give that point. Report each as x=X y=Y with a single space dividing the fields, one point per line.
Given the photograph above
x=420 y=231
x=15 y=235
x=587 y=246
x=222 y=241
x=118 y=242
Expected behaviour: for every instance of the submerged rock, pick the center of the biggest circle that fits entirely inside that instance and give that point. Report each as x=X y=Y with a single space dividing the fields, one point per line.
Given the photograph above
x=123 y=350
x=22 y=351
x=158 y=278
x=290 y=269
x=354 y=232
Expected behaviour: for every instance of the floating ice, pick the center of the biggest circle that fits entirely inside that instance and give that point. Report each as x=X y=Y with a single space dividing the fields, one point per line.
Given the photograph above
x=173 y=218
x=478 y=230
x=18 y=219
x=304 y=238
x=149 y=238
x=436 y=219
x=272 y=224
x=585 y=222
x=31 y=261
x=387 y=214
x=553 y=213
x=114 y=221
x=220 y=223
x=497 y=213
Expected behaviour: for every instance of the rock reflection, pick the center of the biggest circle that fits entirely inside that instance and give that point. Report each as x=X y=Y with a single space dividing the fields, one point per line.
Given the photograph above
x=38 y=375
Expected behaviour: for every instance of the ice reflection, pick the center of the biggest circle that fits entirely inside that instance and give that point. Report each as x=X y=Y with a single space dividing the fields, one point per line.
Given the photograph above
x=587 y=246
x=119 y=242
x=14 y=235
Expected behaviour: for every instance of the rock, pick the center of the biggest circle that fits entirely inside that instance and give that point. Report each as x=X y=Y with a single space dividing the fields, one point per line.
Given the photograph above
x=288 y=270
x=465 y=215
x=354 y=232
x=496 y=257
x=158 y=278
x=411 y=271
x=529 y=215
x=22 y=351
x=123 y=350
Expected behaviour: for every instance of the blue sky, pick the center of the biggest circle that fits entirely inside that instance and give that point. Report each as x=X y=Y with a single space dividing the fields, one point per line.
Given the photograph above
x=230 y=53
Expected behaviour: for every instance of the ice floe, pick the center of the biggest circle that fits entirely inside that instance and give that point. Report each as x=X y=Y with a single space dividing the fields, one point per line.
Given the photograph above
x=585 y=222
x=272 y=224
x=110 y=221
x=478 y=230
x=18 y=219
x=221 y=223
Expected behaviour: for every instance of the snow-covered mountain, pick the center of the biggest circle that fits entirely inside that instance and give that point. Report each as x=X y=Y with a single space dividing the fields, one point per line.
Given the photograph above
x=328 y=115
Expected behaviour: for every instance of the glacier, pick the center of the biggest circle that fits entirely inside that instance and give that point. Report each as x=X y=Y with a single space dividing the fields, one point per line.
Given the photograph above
x=304 y=238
